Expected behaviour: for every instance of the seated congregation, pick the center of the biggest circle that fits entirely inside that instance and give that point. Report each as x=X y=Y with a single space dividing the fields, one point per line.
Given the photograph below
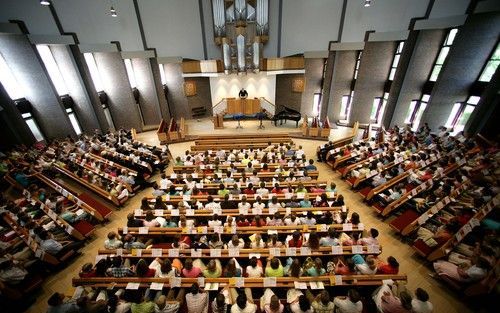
x=441 y=193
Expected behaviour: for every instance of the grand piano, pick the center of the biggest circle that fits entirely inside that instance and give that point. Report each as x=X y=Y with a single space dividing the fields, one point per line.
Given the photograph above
x=287 y=114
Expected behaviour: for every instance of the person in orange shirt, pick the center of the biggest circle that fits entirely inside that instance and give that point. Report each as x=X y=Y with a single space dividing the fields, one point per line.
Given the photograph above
x=389 y=268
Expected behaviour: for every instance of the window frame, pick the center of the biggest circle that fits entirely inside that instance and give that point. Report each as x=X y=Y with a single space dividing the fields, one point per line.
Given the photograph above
x=31 y=122
x=357 y=64
x=9 y=81
x=397 y=56
x=77 y=127
x=316 y=110
x=445 y=46
x=95 y=75
x=491 y=59
x=54 y=72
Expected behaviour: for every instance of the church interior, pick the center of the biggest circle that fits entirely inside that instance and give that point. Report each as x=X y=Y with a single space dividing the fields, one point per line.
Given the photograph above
x=243 y=156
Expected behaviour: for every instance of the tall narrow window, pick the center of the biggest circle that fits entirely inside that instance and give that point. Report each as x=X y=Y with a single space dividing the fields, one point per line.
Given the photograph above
x=96 y=79
x=53 y=70
x=460 y=114
x=74 y=121
x=162 y=74
x=130 y=73
x=491 y=66
x=395 y=61
x=57 y=78
x=16 y=92
x=378 y=108
x=33 y=126
x=356 y=67
x=94 y=72
x=316 y=104
x=443 y=54
x=9 y=82
x=133 y=85
x=345 y=106
x=416 y=110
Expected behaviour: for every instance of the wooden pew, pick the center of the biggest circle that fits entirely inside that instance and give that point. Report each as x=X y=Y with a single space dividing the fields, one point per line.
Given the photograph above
x=236 y=212
x=282 y=282
x=270 y=136
x=32 y=244
x=215 y=186
x=440 y=251
x=79 y=230
x=229 y=231
x=102 y=174
x=250 y=198
x=264 y=176
x=96 y=209
x=237 y=139
x=239 y=167
x=228 y=146
x=111 y=163
x=124 y=158
x=242 y=253
x=359 y=164
x=411 y=225
x=162 y=132
x=103 y=193
x=415 y=191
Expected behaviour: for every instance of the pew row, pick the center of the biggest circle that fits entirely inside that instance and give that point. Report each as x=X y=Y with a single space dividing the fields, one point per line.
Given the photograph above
x=242 y=253
x=282 y=282
x=231 y=230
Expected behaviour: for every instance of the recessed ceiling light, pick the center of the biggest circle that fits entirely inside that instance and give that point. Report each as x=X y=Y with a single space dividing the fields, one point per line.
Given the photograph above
x=368 y=3
x=44 y=2
x=113 y=12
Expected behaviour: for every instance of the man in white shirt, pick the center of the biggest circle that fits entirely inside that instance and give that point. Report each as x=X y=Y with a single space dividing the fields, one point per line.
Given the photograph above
x=263 y=191
x=243 y=204
x=421 y=302
x=235 y=242
x=211 y=205
x=258 y=204
x=124 y=192
x=350 y=304
x=215 y=221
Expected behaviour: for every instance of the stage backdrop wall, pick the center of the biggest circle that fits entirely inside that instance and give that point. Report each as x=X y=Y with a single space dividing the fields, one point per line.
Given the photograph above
x=257 y=85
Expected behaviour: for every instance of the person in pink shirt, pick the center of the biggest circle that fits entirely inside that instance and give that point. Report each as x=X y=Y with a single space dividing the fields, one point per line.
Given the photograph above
x=388 y=302
x=190 y=271
x=372 y=240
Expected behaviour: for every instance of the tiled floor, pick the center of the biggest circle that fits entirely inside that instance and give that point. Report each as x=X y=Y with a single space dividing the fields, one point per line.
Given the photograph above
x=444 y=300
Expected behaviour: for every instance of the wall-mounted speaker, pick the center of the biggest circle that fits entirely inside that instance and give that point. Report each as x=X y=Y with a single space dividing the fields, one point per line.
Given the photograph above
x=136 y=94
x=67 y=101
x=23 y=105
x=103 y=97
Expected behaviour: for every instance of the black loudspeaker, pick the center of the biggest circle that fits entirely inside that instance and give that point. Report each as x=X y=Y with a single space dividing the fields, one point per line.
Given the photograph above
x=427 y=88
x=103 y=97
x=477 y=88
x=136 y=94
x=23 y=105
x=67 y=101
x=387 y=86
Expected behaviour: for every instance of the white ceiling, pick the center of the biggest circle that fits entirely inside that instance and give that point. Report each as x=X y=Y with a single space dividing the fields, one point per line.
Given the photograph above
x=173 y=27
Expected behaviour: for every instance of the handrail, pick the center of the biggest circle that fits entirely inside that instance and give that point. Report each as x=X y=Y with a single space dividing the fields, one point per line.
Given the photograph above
x=216 y=110
x=267 y=105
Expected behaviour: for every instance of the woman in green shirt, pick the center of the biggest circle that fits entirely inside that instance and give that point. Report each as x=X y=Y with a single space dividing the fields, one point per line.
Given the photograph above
x=212 y=270
x=274 y=268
